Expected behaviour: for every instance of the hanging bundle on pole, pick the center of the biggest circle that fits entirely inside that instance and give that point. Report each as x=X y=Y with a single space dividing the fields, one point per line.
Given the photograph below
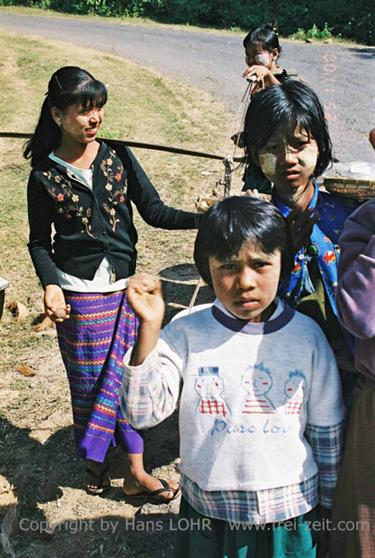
x=220 y=190
x=228 y=164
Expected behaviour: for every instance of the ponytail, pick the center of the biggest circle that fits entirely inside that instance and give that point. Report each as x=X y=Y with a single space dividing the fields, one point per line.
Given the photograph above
x=46 y=137
x=273 y=26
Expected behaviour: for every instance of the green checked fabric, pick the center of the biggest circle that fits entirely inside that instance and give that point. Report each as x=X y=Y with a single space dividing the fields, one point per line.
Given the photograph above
x=199 y=536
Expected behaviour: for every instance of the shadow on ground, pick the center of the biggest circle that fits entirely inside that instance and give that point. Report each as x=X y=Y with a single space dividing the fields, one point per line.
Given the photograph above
x=366 y=52
x=55 y=517
x=49 y=473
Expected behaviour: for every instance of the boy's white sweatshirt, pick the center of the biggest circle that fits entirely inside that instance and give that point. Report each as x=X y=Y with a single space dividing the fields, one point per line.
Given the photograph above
x=248 y=391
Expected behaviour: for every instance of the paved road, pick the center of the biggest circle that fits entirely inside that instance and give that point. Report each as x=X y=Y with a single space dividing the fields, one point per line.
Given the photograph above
x=343 y=76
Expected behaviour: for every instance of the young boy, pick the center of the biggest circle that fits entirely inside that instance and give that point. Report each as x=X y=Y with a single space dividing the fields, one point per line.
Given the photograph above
x=261 y=407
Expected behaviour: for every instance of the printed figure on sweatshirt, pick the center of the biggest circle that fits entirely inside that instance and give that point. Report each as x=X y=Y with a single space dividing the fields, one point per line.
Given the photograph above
x=257 y=382
x=289 y=463
x=294 y=387
x=209 y=386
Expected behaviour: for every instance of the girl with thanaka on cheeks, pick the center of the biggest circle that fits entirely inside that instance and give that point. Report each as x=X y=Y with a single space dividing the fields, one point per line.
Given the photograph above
x=247 y=455
x=85 y=189
x=286 y=136
x=262 y=50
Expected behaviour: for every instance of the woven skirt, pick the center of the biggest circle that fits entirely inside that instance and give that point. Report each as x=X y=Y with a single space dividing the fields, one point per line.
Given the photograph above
x=93 y=342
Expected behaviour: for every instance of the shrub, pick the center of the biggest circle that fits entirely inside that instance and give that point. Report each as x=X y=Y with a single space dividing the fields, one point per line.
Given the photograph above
x=313 y=33
x=350 y=18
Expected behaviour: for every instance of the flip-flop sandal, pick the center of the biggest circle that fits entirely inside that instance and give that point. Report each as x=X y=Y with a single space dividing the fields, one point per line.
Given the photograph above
x=98 y=480
x=151 y=497
x=155 y=497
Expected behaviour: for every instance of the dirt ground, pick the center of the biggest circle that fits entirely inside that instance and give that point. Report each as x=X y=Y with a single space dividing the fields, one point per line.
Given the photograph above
x=49 y=515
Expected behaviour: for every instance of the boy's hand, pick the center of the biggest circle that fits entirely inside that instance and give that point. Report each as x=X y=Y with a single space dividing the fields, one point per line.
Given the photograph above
x=146 y=299
x=54 y=304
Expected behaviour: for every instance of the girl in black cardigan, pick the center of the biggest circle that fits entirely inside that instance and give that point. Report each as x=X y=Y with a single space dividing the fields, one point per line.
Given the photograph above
x=84 y=188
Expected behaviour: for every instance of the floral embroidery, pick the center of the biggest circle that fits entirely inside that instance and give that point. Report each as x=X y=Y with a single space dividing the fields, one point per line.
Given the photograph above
x=68 y=202
x=63 y=193
x=113 y=171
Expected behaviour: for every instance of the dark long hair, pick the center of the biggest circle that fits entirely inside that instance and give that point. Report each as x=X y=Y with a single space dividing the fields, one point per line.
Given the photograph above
x=291 y=105
x=68 y=86
x=231 y=222
x=267 y=36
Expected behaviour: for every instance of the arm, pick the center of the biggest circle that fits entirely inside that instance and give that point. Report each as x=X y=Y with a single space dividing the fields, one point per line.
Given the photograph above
x=41 y=215
x=145 y=297
x=152 y=369
x=263 y=75
x=355 y=291
x=151 y=208
x=327 y=444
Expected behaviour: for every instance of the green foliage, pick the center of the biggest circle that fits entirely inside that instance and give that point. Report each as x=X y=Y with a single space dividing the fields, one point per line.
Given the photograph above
x=314 y=33
x=321 y=18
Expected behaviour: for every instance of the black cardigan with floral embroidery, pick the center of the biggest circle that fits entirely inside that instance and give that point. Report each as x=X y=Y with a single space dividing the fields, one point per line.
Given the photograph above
x=90 y=225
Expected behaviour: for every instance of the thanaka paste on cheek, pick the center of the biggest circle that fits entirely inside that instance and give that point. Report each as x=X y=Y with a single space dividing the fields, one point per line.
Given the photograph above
x=267 y=163
x=308 y=159
x=263 y=58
